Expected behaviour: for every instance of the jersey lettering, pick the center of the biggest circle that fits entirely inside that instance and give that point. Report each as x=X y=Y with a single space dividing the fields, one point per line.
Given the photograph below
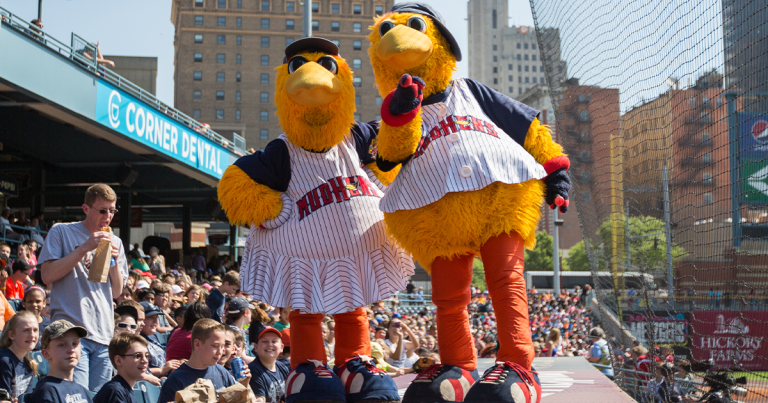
x=453 y=124
x=341 y=189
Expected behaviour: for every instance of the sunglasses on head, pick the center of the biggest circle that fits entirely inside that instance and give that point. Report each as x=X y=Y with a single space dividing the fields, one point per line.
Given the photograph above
x=129 y=326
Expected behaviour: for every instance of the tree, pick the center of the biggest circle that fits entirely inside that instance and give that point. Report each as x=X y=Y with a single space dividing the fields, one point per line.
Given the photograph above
x=478 y=274
x=540 y=259
x=647 y=243
x=577 y=259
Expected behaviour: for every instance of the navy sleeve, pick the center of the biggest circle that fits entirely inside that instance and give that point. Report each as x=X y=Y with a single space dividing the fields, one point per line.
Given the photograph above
x=257 y=383
x=7 y=375
x=109 y=394
x=511 y=116
x=364 y=134
x=271 y=167
x=169 y=389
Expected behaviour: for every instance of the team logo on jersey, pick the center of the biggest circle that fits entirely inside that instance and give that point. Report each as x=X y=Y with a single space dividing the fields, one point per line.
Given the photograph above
x=335 y=190
x=452 y=124
x=374 y=148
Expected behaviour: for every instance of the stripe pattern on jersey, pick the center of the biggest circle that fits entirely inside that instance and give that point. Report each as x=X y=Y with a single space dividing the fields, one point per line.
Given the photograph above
x=334 y=257
x=460 y=150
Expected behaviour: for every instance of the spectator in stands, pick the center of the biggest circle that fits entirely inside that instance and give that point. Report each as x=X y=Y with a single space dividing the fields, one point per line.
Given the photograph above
x=156 y=261
x=7 y=231
x=397 y=344
x=157 y=363
x=127 y=320
x=193 y=294
x=17 y=368
x=642 y=362
x=5 y=253
x=165 y=321
x=139 y=313
x=34 y=231
x=207 y=339
x=258 y=319
x=268 y=374
x=137 y=262
x=65 y=262
x=180 y=345
x=6 y=312
x=554 y=344
x=282 y=321
x=61 y=348
x=239 y=315
x=130 y=357
x=240 y=349
x=127 y=294
x=88 y=54
x=216 y=300
x=14 y=285
x=34 y=302
x=31 y=249
x=600 y=353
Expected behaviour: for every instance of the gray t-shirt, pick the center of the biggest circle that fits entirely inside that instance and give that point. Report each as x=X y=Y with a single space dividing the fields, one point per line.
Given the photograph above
x=74 y=298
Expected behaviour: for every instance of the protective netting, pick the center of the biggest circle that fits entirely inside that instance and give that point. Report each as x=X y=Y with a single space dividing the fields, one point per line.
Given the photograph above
x=669 y=94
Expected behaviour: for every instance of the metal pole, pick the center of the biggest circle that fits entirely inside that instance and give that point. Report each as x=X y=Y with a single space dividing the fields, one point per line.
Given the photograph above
x=307 y=32
x=555 y=254
x=668 y=235
x=627 y=235
x=40 y=10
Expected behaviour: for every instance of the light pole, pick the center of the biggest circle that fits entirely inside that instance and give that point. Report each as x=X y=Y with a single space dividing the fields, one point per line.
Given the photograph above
x=40 y=10
x=307 y=25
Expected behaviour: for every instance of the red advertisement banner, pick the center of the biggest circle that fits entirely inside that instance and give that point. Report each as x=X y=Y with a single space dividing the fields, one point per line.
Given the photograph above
x=730 y=337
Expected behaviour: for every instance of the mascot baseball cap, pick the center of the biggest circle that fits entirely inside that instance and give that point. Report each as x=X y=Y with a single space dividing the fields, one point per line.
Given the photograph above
x=437 y=19
x=314 y=43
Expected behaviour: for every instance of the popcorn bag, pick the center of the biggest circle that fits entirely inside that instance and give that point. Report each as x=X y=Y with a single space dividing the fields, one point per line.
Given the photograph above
x=202 y=391
x=102 y=257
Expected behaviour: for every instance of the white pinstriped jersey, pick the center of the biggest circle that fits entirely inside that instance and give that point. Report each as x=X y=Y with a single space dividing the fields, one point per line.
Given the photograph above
x=332 y=254
x=460 y=150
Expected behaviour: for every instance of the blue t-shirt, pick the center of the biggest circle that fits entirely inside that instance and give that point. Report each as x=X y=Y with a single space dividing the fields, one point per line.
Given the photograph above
x=57 y=390
x=601 y=350
x=186 y=375
x=216 y=301
x=269 y=384
x=15 y=374
x=116 y=390
x=156 y=349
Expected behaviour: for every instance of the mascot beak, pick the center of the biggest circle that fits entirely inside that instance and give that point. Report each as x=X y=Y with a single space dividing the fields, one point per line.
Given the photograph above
x=404 y=47
x=312 y=85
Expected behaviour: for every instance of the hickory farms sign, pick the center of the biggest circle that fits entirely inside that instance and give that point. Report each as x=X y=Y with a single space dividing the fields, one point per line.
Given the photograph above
x=730 y=337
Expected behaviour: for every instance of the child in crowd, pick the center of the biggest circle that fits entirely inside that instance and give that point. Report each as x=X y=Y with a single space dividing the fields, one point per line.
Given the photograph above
x=208 y=339
x=239 y=315
x=129 y=355
x=268 y=373
x=165 y=322
x=157 y=363
x=139 y=313
x=179 y=345
x=230 y=284
x=229 y=349
x=240 y=347
x=34 y=301
x=61 y=347
x=17 y=368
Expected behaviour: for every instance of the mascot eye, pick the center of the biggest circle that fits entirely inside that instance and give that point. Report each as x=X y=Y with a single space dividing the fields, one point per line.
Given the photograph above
x=329 y=64
x=385 y=27
x=417 y=23
x=295 y=63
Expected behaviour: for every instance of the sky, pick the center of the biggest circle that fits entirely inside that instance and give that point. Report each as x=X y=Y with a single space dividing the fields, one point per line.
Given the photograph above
x=144 y=28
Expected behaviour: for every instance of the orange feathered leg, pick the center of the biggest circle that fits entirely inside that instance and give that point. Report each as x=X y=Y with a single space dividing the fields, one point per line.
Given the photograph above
x=307 y=337
x=451 y=280
x=352 y=336
x=504 y=259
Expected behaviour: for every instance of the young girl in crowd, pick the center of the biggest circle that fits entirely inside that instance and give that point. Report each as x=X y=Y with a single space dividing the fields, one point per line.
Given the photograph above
x=17 y=368
x=240 y=349
x=34 y=302
x=137 y=262
x=239 y=315
x=554 y=343
x=193 y=294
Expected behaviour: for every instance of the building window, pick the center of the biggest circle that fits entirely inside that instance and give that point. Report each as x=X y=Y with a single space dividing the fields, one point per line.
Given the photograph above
x=357 y=45
x=509 y=67
x=519 y=57
x=265 y=23
x=493 y=17
x=198 y=20
x=315 y=7
x=335 y=8
x=198 y=38
x=334 y=26
x=220 y=76
x=221 y=21
x=357 y=9
x=222 y=4
x=495 y=80
x=239 y=3
x=533 y=46
x=534 y=80
x=197 y=94
x=357 y=81
x=265 y=5
x=525 y=46
x=290 y=6
x=357 y=116
x=533 y=57
x=495 y=58
x=264 y=41
x=495 y=47
x=706 y=158
x=264 y=116
x=519 y=67
x=237 y=77
x=335 y=42
x=533 y=68
x=708 y=198
x=357 y=27
x=196 y=114
x=237 y=96
x=198 y=76
x=705 y=138
x=264 y=134
x=198 y=3
x=219 y=95
x=495 y=69
x=378 y=100
x=693 y=102
x=357 y=64
x=706 y=178
x=264 y=78
x=239 y=40
x=289 y=41
x=379 y=10
x=219 y=114
x=289 y=25
x=265 y=60
x=238 y=59
x=358 y=100
x=221 y=39
x=584 y=116
x=239 y=22
x=511 y=90
x=221 y=58
x=526 y=68
x=510 y=78
x=237 y=114
x=198 y=57
x=315 y=25
x=719 y=101
x=519 y=46
x=586 y=197
x=520 y=79
x=264 y=97
x=525 y=57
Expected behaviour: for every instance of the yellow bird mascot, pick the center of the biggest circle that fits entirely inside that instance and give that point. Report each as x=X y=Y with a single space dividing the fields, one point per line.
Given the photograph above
x=317 y=242
x=475 y=166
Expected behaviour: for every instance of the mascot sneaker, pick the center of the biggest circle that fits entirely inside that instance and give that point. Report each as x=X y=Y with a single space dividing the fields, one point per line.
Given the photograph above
x=313 y=382
x=440 y=383
x=506 y=382
x=365 y=383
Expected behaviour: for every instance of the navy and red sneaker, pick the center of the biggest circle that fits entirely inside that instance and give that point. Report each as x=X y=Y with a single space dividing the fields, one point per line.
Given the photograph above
x=313 y=382
x=506 y=382
x=365 y=383
x=440 y=383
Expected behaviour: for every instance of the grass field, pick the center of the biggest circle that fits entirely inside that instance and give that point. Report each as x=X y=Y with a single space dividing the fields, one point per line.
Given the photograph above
x=753 y=376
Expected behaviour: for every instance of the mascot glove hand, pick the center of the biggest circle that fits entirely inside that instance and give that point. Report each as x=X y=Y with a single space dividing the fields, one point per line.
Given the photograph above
x=404 y=102
x=558 y=183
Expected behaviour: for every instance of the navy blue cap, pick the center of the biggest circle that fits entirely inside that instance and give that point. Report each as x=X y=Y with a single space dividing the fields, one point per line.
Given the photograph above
x=150 y=309
x=437 y=19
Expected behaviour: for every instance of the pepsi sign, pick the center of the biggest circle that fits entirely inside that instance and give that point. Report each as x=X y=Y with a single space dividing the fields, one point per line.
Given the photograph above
x=753 y=134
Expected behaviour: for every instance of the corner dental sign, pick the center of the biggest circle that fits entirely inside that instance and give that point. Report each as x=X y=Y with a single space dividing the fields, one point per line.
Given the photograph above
x=149 y=127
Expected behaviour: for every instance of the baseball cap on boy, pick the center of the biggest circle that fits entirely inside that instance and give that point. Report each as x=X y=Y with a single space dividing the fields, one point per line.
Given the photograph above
x=270 y=330
x=239 y=304
x=57 y=329
x=150 y=309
